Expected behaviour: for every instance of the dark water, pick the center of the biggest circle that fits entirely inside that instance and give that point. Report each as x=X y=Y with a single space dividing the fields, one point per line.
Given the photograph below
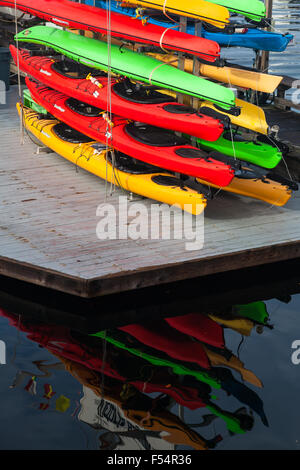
x=62 y=389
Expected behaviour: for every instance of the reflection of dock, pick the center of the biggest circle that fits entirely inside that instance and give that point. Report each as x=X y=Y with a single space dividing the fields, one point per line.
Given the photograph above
x=48 y=222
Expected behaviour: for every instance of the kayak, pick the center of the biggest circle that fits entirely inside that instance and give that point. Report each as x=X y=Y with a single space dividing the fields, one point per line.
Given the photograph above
x=243 y=78
x=253 y=151
x=200 y=9
x=134 y=177
x=127 y=99
x=252 y=38
x=123 y=61
x=264 y=190
x=68 y=14
x=149 y=144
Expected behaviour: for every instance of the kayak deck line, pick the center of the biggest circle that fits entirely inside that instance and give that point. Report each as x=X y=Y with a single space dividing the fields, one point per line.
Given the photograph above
x=45 y=203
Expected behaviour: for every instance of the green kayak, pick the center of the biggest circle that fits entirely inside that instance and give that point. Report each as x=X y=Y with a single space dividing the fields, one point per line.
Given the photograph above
x=254 y=9
x=157 y=361
x=258 y=153
x=94 y=53
x=30 y=103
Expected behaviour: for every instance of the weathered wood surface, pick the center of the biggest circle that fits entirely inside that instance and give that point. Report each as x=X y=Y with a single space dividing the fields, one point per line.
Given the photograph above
x=48 y=228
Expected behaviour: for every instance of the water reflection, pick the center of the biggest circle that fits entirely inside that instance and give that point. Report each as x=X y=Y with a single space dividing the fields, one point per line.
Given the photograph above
x=133 y=378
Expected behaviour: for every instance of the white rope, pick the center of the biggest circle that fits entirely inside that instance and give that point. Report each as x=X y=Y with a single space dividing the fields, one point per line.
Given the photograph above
x=162 y=37
x=155 y=68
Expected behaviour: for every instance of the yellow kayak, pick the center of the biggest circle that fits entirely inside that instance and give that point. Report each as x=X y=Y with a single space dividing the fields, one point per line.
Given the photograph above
x=269 y=191
x=252 y=117
x=158 y=185
x=233 y=76
x=200 y=9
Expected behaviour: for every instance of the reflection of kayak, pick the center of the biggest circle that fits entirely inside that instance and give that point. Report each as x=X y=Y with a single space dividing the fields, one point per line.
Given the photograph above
x=66 y=13
x=255 y=311
x=200 y=327
x=127 y=100
x=120 y=340
x=234 y=76
x=123 y=61
x=138 y=178
x=250 y=38
x=253 y=151
x=149 y=144
x=170 y=341
x=140 y=409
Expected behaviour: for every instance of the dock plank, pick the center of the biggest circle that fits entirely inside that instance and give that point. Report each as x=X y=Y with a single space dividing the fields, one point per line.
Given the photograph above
x=48 y=227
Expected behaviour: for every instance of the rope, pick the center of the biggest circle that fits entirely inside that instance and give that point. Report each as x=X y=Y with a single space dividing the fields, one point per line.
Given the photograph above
x=163 y=35
x=19 y=78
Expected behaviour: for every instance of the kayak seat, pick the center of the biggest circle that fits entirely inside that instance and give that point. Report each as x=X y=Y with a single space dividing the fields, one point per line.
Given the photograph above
x=153 y=136
x=177 y=108
x=83 y=109
x=73 y=69
x=166 y=180
x=68 y=134
x=129 y=165
x=140 y=94
x=189 y=152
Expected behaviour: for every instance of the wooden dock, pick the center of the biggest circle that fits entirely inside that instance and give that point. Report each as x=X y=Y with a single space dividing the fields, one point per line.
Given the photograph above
x=48 y=228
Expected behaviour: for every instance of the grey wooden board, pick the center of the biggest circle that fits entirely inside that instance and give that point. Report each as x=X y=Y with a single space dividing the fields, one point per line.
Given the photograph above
x=48 y=227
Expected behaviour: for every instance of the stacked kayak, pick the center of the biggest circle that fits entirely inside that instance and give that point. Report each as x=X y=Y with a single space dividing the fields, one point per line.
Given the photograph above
x=127 y=100
x=113 y=108
x=67 y=14
x=249 y=37
x=135 y=177
x=94 y=53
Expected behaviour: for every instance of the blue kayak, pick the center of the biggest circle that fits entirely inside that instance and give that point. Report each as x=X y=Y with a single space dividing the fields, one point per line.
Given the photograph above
x=252 y=39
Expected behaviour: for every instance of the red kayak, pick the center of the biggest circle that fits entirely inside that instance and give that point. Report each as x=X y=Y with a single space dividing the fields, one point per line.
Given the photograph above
x=164 y=338
x=80 y=16
x=200 y=327
x=149 y=144
x=127 y=100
